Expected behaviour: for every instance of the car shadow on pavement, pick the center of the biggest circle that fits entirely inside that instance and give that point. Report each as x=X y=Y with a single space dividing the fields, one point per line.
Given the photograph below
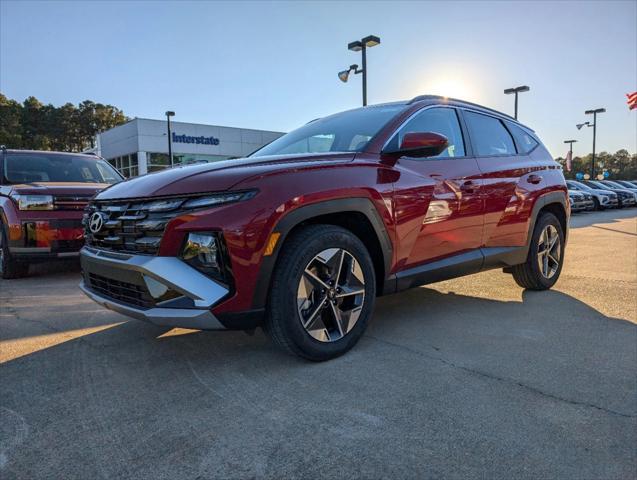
x=442 y=370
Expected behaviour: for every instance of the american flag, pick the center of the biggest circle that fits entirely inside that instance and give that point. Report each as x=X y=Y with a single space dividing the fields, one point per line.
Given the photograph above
x=632 y=100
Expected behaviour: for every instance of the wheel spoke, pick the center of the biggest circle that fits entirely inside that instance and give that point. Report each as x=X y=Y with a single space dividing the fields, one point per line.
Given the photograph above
x=308 y=323
x=545 y=265
x=346 y=292
x=336 y=313
x=314 y=279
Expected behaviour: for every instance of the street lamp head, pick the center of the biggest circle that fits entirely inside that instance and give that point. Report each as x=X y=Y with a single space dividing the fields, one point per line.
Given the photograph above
x=585 y=124
x=597 y=110
x=170 y=114
x=570 y=141
x=523 y=88
x=344 y=75
x=371 y=41
x=356 y=46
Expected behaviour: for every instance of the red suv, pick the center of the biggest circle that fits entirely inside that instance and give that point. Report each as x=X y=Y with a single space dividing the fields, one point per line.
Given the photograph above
x=42 y=200
x=301 y=236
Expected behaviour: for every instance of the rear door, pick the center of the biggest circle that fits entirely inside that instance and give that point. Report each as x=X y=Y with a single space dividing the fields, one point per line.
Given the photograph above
x=508 y=178
x=437 y=199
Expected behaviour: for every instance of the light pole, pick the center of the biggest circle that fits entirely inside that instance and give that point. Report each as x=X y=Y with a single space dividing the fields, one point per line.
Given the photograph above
x=516 y=90
x=360 y=46
x=594 y=113
x=170 y=140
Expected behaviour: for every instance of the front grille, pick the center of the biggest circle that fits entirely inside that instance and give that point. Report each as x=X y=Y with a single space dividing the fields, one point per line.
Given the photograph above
x=71 y=202
x=129 y=227
x=123 y=291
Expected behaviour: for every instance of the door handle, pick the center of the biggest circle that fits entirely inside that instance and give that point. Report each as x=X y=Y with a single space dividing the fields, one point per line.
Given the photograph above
x=534 y=179
x=468 y=186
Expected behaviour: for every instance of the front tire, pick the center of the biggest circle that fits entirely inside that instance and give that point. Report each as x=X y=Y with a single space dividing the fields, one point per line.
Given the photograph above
x=322 y=294
x=546 y=255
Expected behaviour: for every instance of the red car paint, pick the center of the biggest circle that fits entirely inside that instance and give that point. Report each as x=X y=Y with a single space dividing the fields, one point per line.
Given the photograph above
x=431 y=210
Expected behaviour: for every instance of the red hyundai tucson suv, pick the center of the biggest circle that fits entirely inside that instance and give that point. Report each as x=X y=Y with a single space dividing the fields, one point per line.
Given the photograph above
x=302 y=236
x=42 y=201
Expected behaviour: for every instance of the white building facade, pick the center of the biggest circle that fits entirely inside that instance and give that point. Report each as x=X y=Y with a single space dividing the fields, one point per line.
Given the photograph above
x=141 y=145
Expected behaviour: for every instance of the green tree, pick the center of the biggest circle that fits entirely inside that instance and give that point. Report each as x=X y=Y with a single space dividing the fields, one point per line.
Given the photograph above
x=46 y=127
x=10 y=122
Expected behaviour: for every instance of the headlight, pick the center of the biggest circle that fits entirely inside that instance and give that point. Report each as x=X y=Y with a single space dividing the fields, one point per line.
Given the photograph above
x=202 y=251
x=34 y=202
x=213 y=200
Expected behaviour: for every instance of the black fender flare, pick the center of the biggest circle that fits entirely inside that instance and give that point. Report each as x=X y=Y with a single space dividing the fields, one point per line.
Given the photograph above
x=306 y=212
x=540 y=203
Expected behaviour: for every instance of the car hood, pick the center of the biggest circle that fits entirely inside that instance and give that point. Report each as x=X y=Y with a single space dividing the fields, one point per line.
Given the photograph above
x=603 y=192
x=80 y=189
x=214 y=177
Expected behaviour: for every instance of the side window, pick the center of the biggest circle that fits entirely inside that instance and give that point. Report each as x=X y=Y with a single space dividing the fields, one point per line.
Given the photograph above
x=488 y=135
x=525 y=141
x=438 y=120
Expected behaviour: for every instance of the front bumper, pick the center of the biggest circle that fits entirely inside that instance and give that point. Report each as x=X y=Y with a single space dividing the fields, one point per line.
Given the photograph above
x=136 y=286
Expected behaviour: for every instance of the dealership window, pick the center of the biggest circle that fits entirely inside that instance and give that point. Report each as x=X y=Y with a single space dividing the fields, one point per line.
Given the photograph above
x=159 y=161
x=126 y=165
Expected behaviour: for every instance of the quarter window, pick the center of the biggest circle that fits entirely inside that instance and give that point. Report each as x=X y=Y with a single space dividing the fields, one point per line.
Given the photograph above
x=438 y=120
x=488 y=135
x=525 y=141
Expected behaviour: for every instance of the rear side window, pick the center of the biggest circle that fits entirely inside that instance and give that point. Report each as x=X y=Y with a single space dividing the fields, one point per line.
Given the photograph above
x=438 y=120
x=525 y=141
x=488 y=135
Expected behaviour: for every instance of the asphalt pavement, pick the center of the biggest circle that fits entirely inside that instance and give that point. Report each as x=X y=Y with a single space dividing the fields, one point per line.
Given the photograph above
x=469 y=378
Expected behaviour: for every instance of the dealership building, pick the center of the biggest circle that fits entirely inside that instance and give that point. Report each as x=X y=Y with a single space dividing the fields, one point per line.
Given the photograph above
x=141 y=145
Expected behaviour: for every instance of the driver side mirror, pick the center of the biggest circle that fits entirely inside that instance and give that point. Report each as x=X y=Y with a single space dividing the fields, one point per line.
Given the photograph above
x=420 y=144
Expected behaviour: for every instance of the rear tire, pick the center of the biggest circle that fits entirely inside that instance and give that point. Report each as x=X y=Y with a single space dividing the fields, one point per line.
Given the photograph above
x=322 y=294
x=9 y=266
x=546 y=255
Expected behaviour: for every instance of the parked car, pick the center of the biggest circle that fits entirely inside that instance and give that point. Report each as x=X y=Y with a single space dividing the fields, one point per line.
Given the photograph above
x=617 y=184
x=301 y=236
x=627 y=184
x=577 y=201
x=601 y=198
x=625 y=197
x=42 y=200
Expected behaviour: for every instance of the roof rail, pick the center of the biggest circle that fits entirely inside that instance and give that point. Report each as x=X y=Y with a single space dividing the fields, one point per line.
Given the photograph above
x=420 y=98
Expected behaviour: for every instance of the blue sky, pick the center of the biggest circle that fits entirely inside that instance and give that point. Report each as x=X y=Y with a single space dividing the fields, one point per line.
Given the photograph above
x=273 y=65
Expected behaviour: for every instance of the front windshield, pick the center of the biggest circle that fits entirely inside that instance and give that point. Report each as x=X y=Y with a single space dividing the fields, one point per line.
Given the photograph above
x=578 y=184
x=55 y=167
x=343 y=132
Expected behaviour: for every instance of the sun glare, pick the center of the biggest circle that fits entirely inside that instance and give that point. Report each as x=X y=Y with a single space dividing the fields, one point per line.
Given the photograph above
x=450 y=86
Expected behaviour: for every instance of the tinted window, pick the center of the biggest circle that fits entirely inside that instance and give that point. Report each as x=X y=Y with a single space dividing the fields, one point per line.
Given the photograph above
x=344 y=132
x=52 y=167
x=525 y=141
x=438 y=120
x=488 y=135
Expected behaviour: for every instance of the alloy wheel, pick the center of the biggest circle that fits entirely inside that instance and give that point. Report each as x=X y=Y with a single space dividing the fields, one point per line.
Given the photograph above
x=549 y=251
x=330 y=295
